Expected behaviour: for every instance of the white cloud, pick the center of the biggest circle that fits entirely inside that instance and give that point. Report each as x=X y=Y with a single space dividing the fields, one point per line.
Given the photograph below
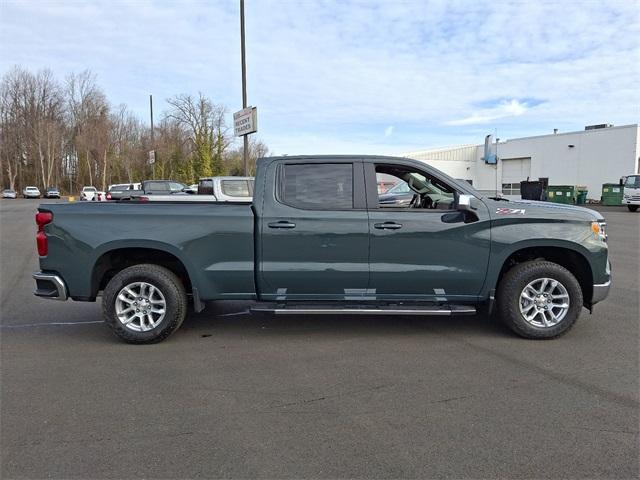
x=512 y=108
x=341 y=71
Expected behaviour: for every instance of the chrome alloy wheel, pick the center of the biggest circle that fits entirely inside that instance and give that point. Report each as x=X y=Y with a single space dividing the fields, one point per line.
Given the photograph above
x=140 y=306
x=544 y=302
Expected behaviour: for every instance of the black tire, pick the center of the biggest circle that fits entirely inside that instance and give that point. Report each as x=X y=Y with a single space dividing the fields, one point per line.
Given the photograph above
x=632 y=208
x=162 y=279
x=513 y=284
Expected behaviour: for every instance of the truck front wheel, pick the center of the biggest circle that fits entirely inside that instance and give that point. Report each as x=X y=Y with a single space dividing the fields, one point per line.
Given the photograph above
x=539 y=299
x=144 y=303
x=632 y=208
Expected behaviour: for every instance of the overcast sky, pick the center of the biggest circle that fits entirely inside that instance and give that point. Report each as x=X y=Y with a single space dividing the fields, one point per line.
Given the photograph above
x=351 y=76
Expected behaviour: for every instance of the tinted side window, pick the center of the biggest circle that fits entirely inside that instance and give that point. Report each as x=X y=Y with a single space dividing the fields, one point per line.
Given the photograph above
x=318 y=186
x=235 y=188
x=205 y=187
x=157 y=187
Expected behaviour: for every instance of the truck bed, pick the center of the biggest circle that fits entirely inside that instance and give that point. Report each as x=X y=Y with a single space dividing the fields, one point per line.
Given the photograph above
x=219 y=235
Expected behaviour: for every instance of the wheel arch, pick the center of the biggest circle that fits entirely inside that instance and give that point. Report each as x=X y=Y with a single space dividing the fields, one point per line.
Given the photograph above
x=113 y=260
x=571 y=259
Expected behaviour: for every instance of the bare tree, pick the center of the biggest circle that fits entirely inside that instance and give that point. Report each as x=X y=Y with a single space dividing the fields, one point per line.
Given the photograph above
x=52 y=131
x=205 y=124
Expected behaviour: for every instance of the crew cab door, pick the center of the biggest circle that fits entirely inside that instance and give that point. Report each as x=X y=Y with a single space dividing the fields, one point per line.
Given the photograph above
x=314 y=231
x=426 y=252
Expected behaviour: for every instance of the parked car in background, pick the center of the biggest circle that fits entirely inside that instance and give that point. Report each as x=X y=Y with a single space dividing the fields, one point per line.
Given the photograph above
x=384 y=186
x=227 y=189
x=121 y=190
x=631 y=194
x=400 y=194
x=158 y=187
x=8 y=193
x=193 y=189
x=88 y=194
x=31 y=192
x=52 y=192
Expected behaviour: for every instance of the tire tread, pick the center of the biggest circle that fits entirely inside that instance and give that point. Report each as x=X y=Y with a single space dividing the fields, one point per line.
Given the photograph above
x=509 y=294
x=145 y=270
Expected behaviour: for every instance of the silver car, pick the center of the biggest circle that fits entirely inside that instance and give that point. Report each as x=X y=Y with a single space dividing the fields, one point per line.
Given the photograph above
x=31 y=192
x=8 y=193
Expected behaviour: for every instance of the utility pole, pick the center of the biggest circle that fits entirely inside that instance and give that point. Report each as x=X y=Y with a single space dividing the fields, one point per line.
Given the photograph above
x=153 y=142
x=497 y=141
x=245 y=139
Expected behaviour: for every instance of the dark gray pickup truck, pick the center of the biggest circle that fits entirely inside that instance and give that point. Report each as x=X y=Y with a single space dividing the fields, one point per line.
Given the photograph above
x=315 y=240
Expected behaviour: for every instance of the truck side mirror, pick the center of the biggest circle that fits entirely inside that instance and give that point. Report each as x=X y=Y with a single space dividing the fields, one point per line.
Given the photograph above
x=622 y=180
x=464 y=206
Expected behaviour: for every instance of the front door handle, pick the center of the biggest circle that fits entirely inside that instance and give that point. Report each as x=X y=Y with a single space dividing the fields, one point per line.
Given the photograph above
x=282 y=224
x=387 y=226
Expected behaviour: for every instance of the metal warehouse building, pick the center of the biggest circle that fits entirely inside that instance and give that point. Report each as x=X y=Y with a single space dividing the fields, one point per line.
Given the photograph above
x=599 y=154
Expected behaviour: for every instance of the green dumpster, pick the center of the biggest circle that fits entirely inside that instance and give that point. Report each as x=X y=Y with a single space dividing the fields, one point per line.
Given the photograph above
x=561 y=194
x=611 y=194
x=581 y=195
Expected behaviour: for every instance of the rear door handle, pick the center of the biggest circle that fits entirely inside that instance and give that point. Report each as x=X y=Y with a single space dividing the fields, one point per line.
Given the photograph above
x=387 y=226
x=282 y=224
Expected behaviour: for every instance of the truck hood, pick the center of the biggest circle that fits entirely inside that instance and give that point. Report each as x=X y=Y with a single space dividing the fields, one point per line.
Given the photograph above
x=535 y=208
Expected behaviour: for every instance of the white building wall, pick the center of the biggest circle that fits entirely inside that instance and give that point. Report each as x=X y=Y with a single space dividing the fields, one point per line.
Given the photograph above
x=458 y=162
x=597 y=157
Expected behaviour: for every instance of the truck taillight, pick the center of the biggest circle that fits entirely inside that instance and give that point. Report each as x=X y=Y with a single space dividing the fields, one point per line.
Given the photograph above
x=42 y=219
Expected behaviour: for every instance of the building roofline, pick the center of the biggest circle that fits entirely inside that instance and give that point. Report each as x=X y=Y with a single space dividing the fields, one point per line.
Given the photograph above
x=632 y=125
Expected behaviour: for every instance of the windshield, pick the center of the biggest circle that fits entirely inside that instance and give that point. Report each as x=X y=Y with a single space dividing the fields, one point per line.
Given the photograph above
x=633 y=181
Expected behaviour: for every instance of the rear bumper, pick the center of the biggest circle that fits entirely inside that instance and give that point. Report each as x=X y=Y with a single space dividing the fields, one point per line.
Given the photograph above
x=600 y=292
x=49 y=285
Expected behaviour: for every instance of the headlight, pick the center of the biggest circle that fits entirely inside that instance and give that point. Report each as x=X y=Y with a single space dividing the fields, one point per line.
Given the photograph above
x=599 y=230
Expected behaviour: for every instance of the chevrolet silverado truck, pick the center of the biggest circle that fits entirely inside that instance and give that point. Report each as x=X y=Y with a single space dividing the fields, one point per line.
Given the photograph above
x=316 y=240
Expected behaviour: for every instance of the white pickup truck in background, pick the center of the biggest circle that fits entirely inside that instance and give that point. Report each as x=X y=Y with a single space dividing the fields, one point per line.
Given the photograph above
x=210 y=189
x=631 y=194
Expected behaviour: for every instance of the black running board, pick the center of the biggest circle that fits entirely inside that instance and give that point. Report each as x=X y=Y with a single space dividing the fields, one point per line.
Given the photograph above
x=446 y=310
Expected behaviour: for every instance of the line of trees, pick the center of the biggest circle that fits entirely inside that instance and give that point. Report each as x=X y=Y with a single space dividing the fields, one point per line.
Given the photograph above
x=67 y=134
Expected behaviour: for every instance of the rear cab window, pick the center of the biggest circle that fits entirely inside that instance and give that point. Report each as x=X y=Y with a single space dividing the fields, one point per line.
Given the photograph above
x=317 y=186
x=205 y=186
x=235 y=188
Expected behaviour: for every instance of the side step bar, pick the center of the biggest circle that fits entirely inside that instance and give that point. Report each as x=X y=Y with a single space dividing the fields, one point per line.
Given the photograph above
x=368 y=310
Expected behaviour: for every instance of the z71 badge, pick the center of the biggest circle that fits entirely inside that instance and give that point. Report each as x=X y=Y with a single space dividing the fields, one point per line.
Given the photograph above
x=510 y=211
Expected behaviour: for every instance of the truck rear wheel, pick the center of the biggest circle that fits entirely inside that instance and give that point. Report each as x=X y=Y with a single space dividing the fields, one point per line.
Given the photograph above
x=144 y=303
x=539 y=299
x=632 y=208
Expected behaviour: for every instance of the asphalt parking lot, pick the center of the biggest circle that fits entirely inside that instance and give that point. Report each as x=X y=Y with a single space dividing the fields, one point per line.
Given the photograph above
x=236 y=396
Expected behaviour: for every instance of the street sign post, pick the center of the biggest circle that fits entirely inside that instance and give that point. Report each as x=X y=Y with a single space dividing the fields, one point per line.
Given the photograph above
x=245 y=121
